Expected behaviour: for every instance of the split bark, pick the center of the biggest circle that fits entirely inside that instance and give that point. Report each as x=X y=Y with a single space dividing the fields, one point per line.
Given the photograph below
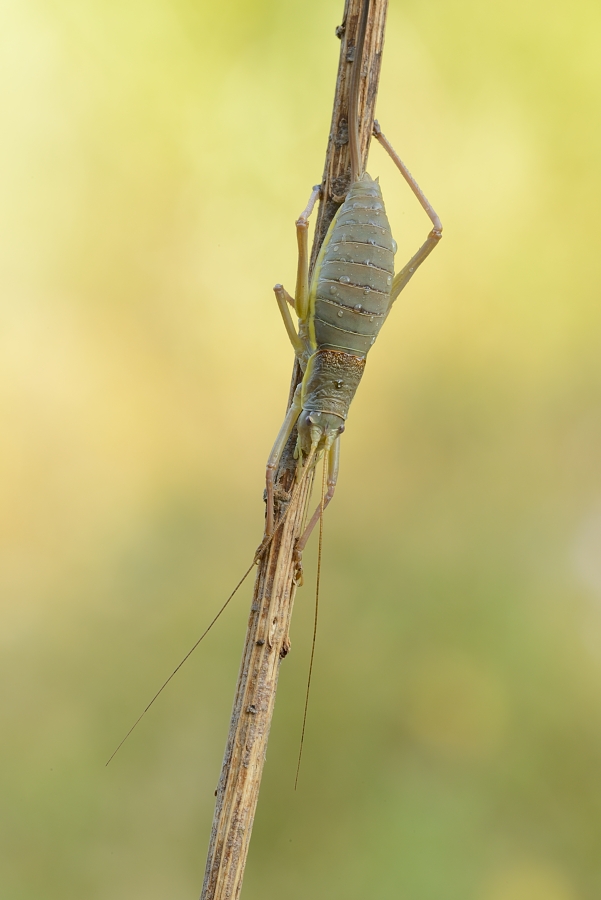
x=267 y=640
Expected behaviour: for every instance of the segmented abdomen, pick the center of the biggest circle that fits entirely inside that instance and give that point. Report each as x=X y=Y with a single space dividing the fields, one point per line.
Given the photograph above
x=352 y=294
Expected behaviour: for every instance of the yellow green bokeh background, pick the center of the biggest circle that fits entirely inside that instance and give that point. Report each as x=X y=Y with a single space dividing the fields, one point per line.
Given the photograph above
x=153 y=160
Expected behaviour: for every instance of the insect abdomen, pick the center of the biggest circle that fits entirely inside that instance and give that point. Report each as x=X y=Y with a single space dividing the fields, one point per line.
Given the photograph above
x=352 y=295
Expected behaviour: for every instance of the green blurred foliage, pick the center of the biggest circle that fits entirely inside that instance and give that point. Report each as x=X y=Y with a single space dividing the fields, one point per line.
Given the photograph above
x=153 y=160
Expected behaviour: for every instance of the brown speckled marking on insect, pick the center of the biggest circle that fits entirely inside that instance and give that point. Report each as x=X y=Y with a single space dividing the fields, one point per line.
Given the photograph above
x=332 y=381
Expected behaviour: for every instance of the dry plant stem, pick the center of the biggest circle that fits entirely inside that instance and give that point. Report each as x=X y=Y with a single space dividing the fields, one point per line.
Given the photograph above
x=337 y=169
x=267 y=640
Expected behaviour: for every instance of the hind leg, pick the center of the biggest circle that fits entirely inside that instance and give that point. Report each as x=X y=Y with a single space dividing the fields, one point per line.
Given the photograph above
x=407 y=272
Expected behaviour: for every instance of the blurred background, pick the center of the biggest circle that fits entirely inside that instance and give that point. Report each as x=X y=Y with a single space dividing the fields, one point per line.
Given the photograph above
x=153 y=160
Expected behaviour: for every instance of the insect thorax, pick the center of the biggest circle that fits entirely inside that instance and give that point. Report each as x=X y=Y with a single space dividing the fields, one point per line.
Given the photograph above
x=329 y=385
x=331 y=381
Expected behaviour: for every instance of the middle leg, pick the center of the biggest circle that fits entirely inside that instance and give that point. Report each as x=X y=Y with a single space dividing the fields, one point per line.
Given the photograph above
x=301 y=294
x=300 y=303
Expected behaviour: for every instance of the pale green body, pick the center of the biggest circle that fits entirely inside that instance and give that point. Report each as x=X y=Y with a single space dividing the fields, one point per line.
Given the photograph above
x=349 y=299
x=339 y=318
x=340 y=313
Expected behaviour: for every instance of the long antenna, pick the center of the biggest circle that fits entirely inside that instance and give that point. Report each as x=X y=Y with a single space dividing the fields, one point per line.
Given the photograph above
x=261 y=550
x=353 y=99
x=189 y=653
x=323 y=494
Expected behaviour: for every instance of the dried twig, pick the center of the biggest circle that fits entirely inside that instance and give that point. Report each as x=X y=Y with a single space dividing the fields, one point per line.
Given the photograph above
x=267 y=640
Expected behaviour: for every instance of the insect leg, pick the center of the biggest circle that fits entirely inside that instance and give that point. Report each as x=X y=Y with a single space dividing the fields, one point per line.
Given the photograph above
x=401 y=279
x=276 y=454
x=333 y=463
x=408 y=270
x=284 y=298
x=301 y=294
x=425 y=203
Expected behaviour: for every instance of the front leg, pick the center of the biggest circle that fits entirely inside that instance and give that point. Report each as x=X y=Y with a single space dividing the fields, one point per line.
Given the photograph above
x=332 y=462
x=407 y=272
x=276 y=455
